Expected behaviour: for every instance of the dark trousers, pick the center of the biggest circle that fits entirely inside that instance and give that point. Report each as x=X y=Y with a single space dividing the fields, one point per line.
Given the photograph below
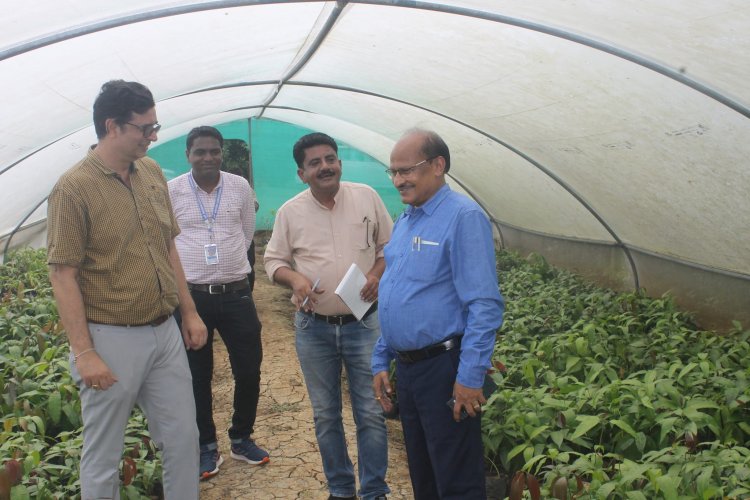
x=446 y=458
x=234 y=316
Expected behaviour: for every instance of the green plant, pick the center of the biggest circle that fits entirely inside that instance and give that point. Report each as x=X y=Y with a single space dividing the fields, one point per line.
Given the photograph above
x=40 y=413
x=596 y=385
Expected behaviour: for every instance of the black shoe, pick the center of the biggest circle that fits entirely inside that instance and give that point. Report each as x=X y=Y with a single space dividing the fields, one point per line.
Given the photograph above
x=331 y=497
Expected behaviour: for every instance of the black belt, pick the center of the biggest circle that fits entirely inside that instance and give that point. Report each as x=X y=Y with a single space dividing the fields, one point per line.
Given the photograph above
x=219 y=289
x=343 y=319
x=430 y=351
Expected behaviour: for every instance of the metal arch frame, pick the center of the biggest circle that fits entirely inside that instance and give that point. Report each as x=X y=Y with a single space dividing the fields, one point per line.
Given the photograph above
x=496 y=221
x=414 y=4
x=18 y=226
x=529 y=159
x=557 y=179
x=627 y=55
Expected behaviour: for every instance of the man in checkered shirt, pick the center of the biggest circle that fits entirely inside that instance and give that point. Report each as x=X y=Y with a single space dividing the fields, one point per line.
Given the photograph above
x=216 y=213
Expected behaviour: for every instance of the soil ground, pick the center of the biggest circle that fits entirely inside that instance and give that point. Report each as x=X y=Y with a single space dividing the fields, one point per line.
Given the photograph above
x=284 y=425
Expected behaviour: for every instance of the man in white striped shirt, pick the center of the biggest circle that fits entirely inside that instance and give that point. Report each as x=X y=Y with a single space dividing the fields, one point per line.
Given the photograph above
x=216 y=214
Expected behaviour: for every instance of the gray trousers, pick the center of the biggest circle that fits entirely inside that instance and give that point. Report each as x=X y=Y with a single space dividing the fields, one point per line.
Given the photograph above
x=152 y=371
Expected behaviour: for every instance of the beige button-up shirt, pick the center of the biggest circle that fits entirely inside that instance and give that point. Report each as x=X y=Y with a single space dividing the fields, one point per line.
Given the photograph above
x=322 y=243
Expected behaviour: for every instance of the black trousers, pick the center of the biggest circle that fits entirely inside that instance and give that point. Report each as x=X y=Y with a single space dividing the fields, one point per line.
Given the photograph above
x=446 y=458
x=236 y=319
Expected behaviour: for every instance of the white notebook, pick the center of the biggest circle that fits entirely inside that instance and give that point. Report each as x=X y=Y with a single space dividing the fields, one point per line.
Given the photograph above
x=349 y=289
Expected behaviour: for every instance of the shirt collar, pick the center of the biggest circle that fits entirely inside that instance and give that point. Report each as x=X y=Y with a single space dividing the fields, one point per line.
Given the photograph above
x=218 y=185
x=336 y=197
x=431 y=205
x=96 y=160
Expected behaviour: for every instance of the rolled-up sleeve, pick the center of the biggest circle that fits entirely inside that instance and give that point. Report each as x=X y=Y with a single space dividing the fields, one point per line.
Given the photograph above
x=278 y=252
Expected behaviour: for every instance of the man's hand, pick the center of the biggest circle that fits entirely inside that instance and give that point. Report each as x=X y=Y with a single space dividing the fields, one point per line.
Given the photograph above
x=468 y=398
x=381 y=386
x=369 y=292
x=194 y=332
x=302 y=288
x=94 y=371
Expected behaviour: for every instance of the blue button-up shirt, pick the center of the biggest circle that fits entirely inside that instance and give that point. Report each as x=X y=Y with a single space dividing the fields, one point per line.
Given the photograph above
x=440 y=281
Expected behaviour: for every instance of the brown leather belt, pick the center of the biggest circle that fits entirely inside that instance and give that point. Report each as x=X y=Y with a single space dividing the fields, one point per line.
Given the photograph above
x=430 y=351
x=219 y=289
x=343 y=319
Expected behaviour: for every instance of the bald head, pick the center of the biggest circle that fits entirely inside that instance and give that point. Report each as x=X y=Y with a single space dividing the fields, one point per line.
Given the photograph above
x=432 y=144
x=419 y=161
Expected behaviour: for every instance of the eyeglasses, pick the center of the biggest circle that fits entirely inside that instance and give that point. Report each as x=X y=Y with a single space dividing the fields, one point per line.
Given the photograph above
x=148 y=129
x=407 y=171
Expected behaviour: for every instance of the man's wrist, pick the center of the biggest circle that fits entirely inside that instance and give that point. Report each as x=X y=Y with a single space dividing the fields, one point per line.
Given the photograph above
x=83 y=352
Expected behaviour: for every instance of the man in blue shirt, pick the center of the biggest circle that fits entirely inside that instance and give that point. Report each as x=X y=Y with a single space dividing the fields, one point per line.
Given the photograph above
x=440 y=307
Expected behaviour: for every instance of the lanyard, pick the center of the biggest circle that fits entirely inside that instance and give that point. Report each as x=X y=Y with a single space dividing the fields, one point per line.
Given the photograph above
x=209 y=222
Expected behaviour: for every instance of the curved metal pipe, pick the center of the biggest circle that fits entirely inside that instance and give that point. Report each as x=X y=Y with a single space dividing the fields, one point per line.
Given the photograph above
x=515 y=150
x=557 y=179
x=322 y=34
x=611 y=49
x=622 y=53
x=18 y=226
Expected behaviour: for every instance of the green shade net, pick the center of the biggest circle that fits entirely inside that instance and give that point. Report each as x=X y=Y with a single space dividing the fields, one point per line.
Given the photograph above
x=274 y=170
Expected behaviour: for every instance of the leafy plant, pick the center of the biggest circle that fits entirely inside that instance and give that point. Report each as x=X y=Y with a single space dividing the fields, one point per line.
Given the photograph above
x=40 y=412
x=614 y=394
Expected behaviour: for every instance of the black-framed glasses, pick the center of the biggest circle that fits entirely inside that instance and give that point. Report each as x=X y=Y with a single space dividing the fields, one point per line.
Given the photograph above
x=407 y=171
x=148 y=129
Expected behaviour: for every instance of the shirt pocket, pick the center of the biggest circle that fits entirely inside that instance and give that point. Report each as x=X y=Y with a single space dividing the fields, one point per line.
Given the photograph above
x=159 y=205
x=161 y=211
x=360 y=234
x=423 y=263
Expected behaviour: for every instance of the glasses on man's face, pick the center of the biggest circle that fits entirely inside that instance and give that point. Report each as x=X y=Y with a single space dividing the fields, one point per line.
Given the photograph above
x=407 y=171
x=148 y=129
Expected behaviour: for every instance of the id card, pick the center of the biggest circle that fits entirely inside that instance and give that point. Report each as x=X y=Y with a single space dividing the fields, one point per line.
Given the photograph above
x=212 y=253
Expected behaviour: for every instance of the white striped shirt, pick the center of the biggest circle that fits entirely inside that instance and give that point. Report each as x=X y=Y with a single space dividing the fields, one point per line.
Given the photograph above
x=232 y=231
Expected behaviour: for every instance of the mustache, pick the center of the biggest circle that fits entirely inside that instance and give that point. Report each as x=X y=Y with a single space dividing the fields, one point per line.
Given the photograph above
x=325 y=173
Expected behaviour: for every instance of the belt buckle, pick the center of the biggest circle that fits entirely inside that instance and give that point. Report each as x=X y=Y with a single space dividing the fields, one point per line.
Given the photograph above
x=221 y=289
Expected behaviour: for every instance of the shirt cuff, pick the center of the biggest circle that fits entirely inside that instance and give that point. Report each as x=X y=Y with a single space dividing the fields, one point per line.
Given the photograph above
x=471 y=377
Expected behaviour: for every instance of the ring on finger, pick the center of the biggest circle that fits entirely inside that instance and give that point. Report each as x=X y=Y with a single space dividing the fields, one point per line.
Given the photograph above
x=95 y=386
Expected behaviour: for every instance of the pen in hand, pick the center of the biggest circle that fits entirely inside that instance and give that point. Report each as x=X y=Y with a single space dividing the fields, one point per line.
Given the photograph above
x=314 y=287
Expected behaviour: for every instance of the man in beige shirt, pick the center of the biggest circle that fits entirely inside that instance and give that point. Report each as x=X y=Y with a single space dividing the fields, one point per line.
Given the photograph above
x=316 y=237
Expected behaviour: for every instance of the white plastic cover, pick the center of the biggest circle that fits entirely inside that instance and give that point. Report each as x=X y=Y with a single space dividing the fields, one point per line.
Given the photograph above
x=622 y=125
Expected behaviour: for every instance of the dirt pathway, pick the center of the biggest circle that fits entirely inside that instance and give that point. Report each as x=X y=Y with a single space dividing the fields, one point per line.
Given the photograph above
x=284 y=423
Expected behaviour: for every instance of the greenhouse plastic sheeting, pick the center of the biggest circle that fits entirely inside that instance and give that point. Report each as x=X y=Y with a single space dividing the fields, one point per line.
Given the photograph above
x=612 y=137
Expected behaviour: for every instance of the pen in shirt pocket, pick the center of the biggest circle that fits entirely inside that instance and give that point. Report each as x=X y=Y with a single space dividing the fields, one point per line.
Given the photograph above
x=417 y=243
x=367 y=231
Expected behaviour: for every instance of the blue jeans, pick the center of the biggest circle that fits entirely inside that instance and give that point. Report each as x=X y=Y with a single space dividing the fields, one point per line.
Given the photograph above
x=322 y=349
